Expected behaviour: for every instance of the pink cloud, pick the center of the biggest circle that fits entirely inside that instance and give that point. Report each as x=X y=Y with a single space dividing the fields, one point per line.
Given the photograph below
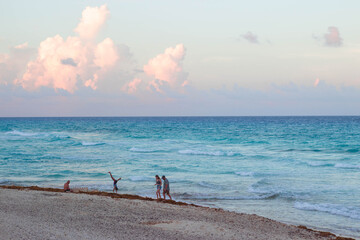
x=49 y=70
x=22 y=46
x=12 y=65
x=167 y=68
x=72 y=62
x=92 y=82
x=316 y=83
x=93 y=18
x=332 y=38
x=132 y=86
x=106 y=54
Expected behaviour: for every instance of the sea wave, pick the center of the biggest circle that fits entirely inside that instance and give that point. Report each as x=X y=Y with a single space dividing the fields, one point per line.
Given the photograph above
x=334 y=209
x=208 y=153
x=5 y=181
x=209 y=185
x=353 y=150
x=320 y=164
x=347 y=165
x=141 y=178
x=250 y=174
x=264 y=187
x=143 y=150
x=188 y=196
x=51 y=136
x=92 y=143
x=23 y=134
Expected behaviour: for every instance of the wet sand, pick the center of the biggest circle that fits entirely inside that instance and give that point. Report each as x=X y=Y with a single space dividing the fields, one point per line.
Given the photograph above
x=48 y=213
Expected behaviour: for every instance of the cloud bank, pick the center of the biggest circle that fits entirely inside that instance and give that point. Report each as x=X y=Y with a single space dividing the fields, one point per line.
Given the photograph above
x=75 y=61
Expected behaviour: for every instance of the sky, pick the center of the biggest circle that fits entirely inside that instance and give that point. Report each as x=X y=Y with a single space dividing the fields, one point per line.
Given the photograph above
x=179 y=58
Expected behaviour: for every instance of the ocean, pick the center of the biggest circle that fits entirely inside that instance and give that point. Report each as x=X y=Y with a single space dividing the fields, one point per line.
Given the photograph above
x=297 y=170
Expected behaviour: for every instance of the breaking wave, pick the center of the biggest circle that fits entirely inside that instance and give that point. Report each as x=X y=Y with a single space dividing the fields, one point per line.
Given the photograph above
x=208 y=153
x=334 y=209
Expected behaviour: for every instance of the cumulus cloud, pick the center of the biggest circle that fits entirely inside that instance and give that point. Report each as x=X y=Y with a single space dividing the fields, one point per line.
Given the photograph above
x=106 y=54
x=93 y=18
x=75 y=61
x=132 y=86
x=166 y=68
x=332 y=37
x=12 y=65
x=249 y=36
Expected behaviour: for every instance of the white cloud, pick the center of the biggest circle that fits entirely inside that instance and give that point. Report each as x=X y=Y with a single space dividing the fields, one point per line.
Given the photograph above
x=72 y=62
x=132 y=86
x=166 y=68
x=93 y=18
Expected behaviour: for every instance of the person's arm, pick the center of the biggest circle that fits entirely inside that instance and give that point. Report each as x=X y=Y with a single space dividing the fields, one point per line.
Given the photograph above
x=112 y=177
x=119 y=179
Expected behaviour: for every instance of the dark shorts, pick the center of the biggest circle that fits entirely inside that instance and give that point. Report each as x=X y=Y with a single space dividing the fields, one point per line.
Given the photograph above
x=167 y=191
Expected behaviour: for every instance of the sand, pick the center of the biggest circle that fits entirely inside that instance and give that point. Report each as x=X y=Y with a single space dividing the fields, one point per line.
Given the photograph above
x=36 y=213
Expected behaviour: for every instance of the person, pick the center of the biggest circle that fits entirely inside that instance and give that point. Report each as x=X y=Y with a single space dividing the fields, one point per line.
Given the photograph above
x=67 y=187
x=158 y=186
x=166 y=187
x=115 y=182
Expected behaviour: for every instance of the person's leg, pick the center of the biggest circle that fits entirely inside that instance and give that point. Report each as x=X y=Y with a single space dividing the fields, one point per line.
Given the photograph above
x=164 y=195
x=169 y=196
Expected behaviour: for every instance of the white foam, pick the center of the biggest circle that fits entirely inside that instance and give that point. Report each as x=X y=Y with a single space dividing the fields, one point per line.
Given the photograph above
x=92 y=143
x=141 y=150
x=245 y=173
x=208 y=153
x=140 y=178
x=335 y=209
x=213 y=197
x=23 y=134
x=3 y=181
x=346 y=165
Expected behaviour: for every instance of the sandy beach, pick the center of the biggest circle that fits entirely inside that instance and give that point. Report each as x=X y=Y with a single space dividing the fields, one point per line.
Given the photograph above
x=44 y=213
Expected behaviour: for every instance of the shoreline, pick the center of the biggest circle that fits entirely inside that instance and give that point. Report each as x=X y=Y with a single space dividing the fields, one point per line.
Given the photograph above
x=174 y=224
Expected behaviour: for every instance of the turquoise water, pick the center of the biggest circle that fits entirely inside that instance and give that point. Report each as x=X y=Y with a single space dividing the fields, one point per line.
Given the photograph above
x=299 y=170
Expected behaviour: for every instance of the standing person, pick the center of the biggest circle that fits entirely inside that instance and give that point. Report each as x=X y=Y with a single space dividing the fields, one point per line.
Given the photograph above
x=158 y=186
x=166 y=187
x=115 y=182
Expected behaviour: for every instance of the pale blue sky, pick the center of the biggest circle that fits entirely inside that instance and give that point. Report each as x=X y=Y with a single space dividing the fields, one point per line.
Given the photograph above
x=290 y=70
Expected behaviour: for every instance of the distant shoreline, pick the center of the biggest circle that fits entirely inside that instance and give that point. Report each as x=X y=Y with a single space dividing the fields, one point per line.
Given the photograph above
x=294 y=232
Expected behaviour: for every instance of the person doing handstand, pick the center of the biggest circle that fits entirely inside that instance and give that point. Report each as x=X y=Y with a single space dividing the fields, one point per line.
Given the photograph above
x=115 y=182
